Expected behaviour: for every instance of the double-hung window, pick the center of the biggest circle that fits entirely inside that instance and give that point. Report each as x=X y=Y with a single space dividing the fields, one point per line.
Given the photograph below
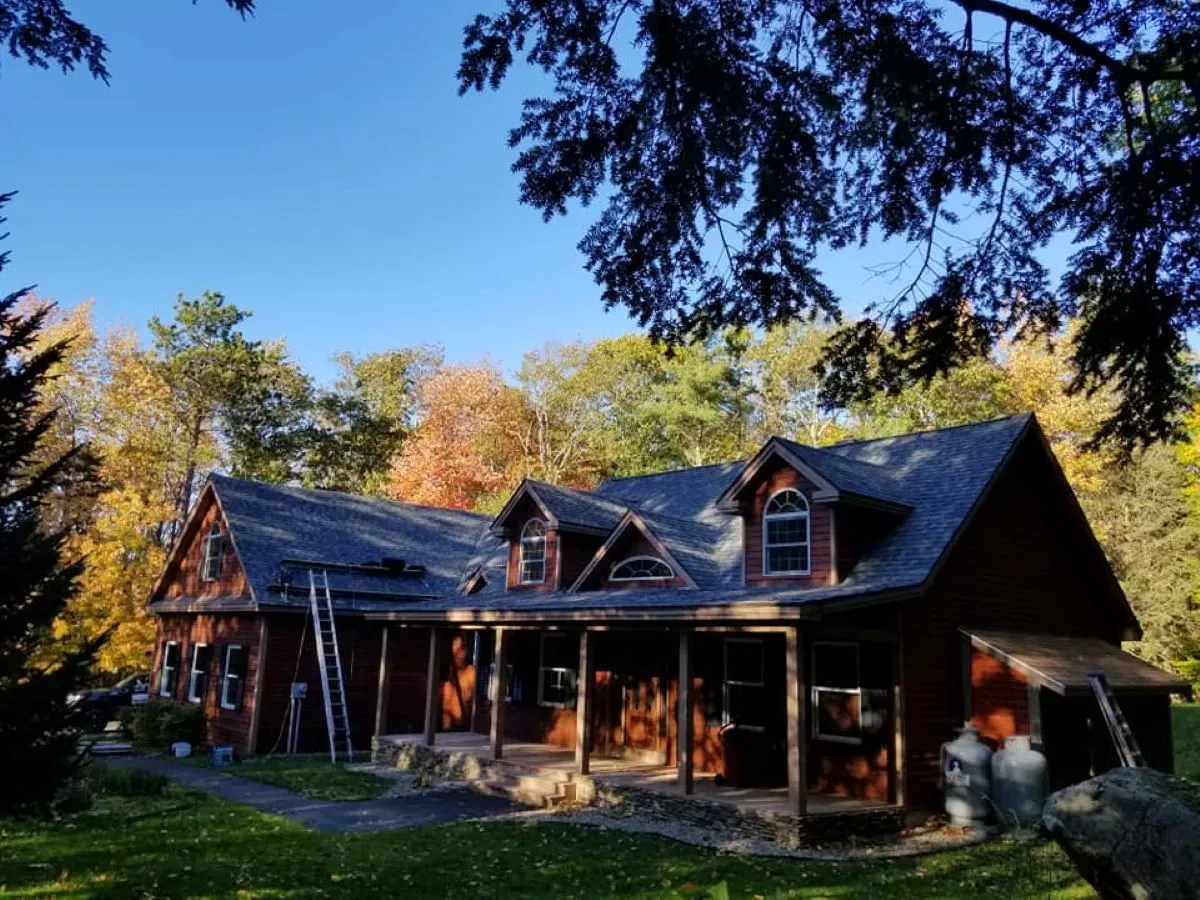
x=233 y=676
x=170 y=669
x=743 y=683
x=837 y=693
x=214 y=544
x=533 y=552
x=786 y=534
x=198 y=677
x=558 y=671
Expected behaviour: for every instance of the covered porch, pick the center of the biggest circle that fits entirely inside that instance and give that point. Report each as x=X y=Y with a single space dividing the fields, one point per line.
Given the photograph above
x=791 y=719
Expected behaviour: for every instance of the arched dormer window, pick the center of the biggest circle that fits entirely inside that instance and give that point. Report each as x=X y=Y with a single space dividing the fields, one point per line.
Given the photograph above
x=641 y=568
x=210 y=567
x=533 y=552
x=786 y=534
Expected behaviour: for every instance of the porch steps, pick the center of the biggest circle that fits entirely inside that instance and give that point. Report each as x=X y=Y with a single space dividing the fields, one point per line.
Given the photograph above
x=541 y=789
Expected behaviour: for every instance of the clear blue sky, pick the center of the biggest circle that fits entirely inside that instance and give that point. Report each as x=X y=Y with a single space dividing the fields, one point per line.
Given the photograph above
x=315 y=166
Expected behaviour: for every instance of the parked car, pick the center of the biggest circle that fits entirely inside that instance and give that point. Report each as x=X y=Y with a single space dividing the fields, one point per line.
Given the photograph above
x=100 y=706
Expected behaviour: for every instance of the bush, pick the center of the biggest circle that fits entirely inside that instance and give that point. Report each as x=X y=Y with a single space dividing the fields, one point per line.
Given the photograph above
x=73 y=797
x=156 y=725
x=117 y=781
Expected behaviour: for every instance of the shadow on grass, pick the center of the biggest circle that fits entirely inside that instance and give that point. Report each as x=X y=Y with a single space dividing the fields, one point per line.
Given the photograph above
x=200 y=845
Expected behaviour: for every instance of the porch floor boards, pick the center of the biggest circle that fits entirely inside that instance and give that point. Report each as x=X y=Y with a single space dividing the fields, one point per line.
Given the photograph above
x=630 y=773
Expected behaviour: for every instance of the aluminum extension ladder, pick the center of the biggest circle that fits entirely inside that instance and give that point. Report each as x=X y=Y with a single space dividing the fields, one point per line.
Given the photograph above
x=1118 y=726
x=333 y=686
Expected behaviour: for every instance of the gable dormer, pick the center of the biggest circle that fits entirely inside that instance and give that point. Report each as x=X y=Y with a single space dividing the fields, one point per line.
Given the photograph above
x=808 y=514
x=552 y=533
x=633 y=557
x=203 y=564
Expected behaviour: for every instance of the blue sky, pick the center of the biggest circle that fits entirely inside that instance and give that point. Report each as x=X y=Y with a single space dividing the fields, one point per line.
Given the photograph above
x=317 y=168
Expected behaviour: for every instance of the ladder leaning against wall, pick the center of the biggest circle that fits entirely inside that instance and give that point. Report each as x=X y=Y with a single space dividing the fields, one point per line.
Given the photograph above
x=333 y=686
x=1118 y=726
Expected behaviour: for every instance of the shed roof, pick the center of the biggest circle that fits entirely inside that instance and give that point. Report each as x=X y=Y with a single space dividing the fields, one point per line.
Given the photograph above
x=1062 y=663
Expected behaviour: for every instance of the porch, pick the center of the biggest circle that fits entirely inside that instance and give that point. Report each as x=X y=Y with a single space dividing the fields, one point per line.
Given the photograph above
x=558 y=764
x=814 y=708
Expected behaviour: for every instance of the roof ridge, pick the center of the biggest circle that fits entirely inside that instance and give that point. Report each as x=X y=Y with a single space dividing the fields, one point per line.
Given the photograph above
x=716 y=465
x=907 y=434
x=371 y=497
x=590 y=495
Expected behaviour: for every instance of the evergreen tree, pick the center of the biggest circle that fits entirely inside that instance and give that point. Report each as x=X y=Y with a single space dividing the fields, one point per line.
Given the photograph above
x=38 y=743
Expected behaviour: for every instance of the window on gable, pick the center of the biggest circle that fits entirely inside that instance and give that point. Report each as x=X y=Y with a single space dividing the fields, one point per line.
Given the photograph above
x=558 y=671
x=786 y=534
x=641 y=568
x=170 y=669
x=533 y=552
x=233 y=676
x=210 y=568
x=198 y=677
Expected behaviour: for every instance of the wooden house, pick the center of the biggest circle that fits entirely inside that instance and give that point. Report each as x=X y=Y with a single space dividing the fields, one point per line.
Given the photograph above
x=813 y=620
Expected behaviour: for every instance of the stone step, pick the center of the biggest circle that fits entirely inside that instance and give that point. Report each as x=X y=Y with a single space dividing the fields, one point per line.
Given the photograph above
x=533 y=790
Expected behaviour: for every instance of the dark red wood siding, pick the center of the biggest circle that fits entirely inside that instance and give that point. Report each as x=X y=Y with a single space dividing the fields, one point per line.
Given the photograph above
x=218 y=631
x=1024 y=563
x=999 y=699
x=182 y=576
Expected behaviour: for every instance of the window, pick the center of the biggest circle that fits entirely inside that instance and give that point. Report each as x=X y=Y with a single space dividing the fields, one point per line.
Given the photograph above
x=641 y=568
x=233 y=676
x=558 y=672
x=198 y=678
x=836 y=692
x=786 y=534
x=484 y=669
x=533 y=552
x=742 y=685
x=210 y=569
x=170 y=669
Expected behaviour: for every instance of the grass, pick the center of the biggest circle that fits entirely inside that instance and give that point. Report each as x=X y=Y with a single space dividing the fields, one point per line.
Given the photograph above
x=1185 y=726
x=185 y=844
x=311 y=777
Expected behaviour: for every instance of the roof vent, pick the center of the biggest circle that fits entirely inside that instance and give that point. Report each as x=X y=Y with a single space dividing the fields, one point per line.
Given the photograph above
x=392 y=563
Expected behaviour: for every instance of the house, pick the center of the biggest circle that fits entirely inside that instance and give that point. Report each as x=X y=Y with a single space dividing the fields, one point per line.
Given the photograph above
x=812 y=622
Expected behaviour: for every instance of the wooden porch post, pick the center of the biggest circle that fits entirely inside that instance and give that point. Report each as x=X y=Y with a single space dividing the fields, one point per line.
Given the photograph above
x=899 y=746
x=684 y=740
x=583 y=706
x=381 y=695
x=797 y=757
x=496 y=691
x=433 y=687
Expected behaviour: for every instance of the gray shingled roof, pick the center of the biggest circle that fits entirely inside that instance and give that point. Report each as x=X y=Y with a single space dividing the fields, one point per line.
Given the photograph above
x=271 y=523
x=573 y=507
x=939 y=474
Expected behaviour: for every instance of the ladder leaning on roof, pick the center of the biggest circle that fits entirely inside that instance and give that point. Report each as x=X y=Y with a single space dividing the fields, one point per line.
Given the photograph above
x=333 y=687
x=1118 y=726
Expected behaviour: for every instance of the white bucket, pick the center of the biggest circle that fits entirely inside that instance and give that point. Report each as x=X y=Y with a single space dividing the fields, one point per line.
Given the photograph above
x=180 y=749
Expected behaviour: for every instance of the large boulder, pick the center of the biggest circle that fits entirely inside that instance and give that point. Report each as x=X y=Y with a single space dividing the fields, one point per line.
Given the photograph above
x=1133 y=833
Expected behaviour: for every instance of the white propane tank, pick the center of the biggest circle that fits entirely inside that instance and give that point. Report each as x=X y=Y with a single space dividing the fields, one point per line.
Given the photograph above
x=966 y=778
x=1020 y=781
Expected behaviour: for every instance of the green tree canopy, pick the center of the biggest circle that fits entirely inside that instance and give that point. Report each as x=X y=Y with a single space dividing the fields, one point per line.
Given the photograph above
x=730 y=143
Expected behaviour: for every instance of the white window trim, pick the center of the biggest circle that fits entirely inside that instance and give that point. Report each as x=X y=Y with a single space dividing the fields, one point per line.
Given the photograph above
x=192 y=673
x=521 y=579
x=726 y=681
x=226 y=677
x=206 y=565
x=543 y=669
x=850 y=692
x=164 y=682
x=633 y=559
x=767 y=546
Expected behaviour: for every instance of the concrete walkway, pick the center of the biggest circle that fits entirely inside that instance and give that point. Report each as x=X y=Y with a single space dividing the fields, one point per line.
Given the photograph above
x=328 y=815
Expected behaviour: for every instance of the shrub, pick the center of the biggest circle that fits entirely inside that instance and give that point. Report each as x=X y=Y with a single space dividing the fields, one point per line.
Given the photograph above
x=158 y=724
x=182 y=723
x=117 y=781
x=73 y=797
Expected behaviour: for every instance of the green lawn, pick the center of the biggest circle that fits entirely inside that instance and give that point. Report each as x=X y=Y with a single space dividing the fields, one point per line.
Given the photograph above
x=187 y=844
x=1185 y=726
x=313 y=777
